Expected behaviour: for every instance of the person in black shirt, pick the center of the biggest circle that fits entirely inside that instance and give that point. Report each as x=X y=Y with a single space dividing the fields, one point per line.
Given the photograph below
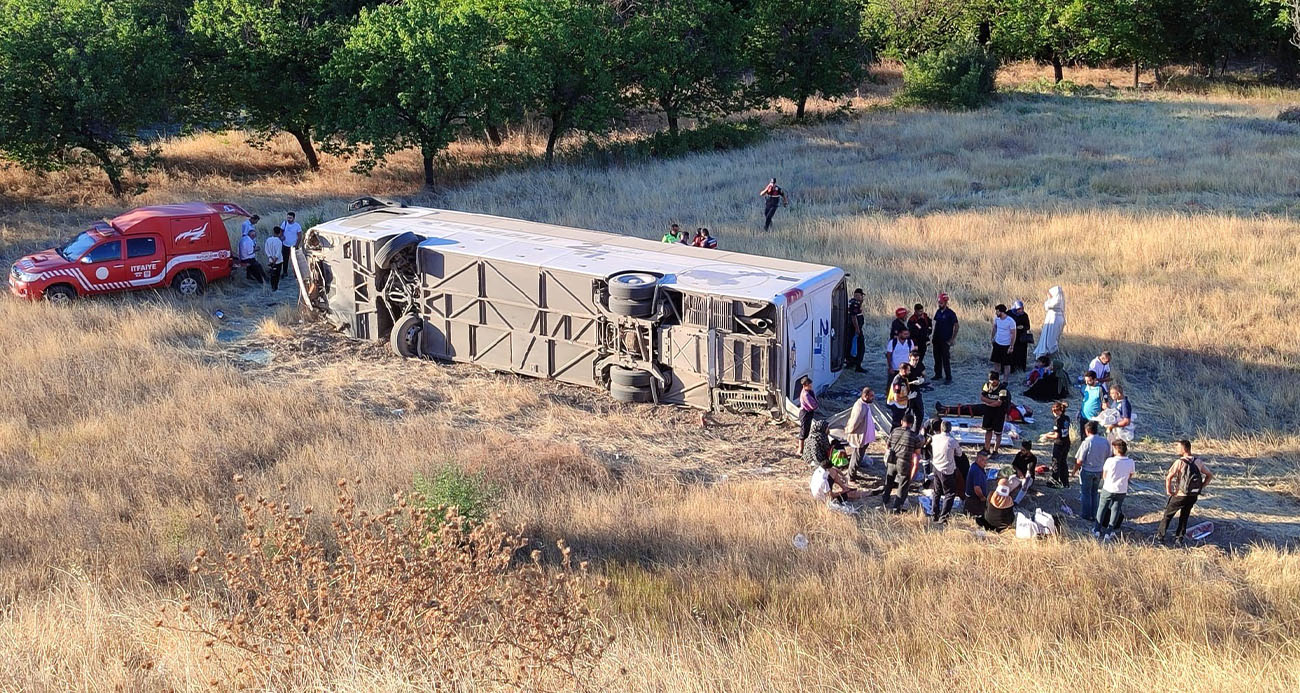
x=899 y=324
x=1025 y=462
x=856 y=339
x=996 y=399
x=945 y=327
x=1020 y=354
x=773 y=197
x=920 y=325
x=901 y=462
x=1060 y=437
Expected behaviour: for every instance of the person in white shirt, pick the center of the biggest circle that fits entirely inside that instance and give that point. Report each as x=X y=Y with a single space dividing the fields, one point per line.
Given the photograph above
x=1101 y=366
x=292 y=230
x=897 y=351
x=943 y=457
x=274 y=261
x=1004 y=341
x=249 y=225
x=860 y=431
x=827 y=484
x=1115 y=475
x=248 y=257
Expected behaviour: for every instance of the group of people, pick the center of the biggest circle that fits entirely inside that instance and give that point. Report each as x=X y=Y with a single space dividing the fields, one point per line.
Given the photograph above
x=925 y=451
x=702 y=239
x=277 y=248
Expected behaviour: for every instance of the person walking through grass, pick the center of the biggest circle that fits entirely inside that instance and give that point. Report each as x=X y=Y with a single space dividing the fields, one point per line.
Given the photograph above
x=773 y=197
x=943 y=457
x=944 y=337
x=807 y=410
x=1089 y=461
x=860 y=431
x=901 y=462
x=1115 y=475
x=1002 y=340
x=1060 y=437
x=274 y=249
x=1184 y=481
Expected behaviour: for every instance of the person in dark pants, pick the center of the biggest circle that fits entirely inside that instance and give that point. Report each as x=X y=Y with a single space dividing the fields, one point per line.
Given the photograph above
x=1020 y=354
x=773 y=197
x=943 y=337
x=943 y=457
x=1115 y=477
x=274 y=250
x=915 y=381
x=1187 y=477
x=807 y=410
x=977 y=484
x=856 y=339
x=248 y=257
x=901 y=462
x=1060 y=437
x=920 y=325
x=900 y=396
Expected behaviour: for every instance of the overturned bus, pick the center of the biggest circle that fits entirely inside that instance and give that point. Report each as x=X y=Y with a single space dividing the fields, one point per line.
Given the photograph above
x=647 y=321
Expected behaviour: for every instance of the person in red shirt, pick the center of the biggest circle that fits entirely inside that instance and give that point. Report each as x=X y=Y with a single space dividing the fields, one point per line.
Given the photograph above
x=703 y=239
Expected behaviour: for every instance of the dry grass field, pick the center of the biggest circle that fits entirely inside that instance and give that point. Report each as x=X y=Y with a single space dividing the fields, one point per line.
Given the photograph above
x=1166 y=216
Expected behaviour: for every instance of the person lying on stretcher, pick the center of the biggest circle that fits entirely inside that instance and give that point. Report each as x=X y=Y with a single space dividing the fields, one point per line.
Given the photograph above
x=1016 y=413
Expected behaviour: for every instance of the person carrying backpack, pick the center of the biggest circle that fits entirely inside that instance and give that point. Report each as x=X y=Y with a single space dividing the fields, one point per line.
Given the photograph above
x=1187 y=477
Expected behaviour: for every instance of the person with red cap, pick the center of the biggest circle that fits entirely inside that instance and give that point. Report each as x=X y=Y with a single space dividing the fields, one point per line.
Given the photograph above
x=900 y=322
x=943 y=338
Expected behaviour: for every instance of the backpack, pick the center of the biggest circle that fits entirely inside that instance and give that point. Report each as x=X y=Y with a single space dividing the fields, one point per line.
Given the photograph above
x=1190 y=479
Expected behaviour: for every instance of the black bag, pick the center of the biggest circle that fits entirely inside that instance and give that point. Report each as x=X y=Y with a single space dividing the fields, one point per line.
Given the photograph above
x=1190 y=480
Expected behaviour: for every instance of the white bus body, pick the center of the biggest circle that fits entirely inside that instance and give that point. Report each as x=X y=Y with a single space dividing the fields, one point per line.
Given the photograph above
x=648 y=321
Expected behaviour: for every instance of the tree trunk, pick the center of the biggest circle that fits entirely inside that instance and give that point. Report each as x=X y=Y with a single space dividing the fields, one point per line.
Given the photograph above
x=109 y=167
x=427 y=155
x=1137 y=72
x=798 y=110
x=304 y=140
x=493 y=134
x=672 y=122
x=557 y=126
x=1058 y=70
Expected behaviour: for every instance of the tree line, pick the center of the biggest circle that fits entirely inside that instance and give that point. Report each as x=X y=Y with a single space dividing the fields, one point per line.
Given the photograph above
x=81 y=81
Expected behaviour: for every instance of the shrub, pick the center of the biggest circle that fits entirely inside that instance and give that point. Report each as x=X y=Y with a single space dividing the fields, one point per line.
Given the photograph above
x=1290 y=115
x=411 y=588
x=714 y=137
x=453 y=488
x=953 y=77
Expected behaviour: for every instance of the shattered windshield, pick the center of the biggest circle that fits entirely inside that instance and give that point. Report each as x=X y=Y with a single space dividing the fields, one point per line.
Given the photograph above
x=77 y=247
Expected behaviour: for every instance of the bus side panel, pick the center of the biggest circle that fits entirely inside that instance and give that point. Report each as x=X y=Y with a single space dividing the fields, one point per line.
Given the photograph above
x=572 y=325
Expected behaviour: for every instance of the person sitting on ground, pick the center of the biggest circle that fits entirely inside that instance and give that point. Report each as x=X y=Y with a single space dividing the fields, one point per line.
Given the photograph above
x=1042 y=366
x=1184 y=481
x=900 y=396
x=1044 y=383
x=976 y=486
x=829 y=485
x=1060 y=437
x=996 y=401
x=897 y=351
x=839 y=456
x=807 y=409
x=1115 y=475
x=703 y=239
x=901 y=462
x=1000 y=511
x=817 y=446
x=674 y=232
x=1122 y=427
x=1025 y=463
x=1101 y=367
x=943 y=457
x=860 y=431
x=1094 y=396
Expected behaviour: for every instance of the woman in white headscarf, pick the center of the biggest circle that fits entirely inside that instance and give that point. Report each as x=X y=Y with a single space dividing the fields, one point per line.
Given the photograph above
x=1053 y=323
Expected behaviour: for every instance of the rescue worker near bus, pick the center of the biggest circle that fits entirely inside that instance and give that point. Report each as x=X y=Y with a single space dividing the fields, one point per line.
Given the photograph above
x=856 y=342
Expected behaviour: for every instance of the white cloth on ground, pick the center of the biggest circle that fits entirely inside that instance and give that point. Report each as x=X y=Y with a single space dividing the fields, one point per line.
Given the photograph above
x=1049 y=339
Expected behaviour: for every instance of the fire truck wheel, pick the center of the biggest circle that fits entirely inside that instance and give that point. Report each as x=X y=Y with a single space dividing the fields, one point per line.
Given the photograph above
x=189 y=283
x=60 y=295
x=624 y=393
x=630 y=308
x=633 y=285
x=629 y=377
x=384 y=256
x=405 y=337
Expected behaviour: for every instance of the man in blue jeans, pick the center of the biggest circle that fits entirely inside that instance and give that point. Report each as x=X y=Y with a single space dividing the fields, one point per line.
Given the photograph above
x=1089 y=462
x=1115 y=474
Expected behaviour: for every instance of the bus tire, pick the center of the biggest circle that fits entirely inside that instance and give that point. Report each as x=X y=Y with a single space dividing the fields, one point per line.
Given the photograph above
x=631 y=395
x=405 y=336
x=390 y=249
x=631 y=308
x=633 y=285
x=629 y=377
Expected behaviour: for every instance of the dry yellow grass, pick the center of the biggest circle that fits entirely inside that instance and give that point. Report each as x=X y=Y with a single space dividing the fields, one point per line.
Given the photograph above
x=1165 y=215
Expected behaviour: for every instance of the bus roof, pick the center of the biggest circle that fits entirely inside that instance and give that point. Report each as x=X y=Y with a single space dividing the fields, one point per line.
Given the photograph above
x=594 y=253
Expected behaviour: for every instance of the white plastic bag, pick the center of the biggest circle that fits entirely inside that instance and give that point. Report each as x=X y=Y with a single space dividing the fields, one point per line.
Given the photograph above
x=1045 y=522
x=1025 y=527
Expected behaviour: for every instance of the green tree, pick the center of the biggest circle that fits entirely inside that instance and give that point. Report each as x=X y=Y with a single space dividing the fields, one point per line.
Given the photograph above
x=1125 y=31
x=566 y=59
x=1046 y=31
x=82 y=77
x=408 y=75
x=263 y=59
x=904 y=29
x=688 y=57
x=799 y=49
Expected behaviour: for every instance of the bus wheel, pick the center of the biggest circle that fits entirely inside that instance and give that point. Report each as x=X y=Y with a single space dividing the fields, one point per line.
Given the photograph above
x=630 y=385
x=405 y=337
x=631 y=308
x=633 y=285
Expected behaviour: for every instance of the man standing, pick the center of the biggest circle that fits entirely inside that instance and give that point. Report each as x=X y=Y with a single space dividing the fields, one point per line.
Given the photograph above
x=897 y=350
x=274 y=257
x=1089 y=461
x=856 y=339
x=292 y=230
x=1115 y=475
x=944 y=336
x=920 y=325
x=773 y=197
x=996 y=400
x=915 y=383
x=1060 y=437
x=1020 y=355
x=1186 y=478
x=250 y=224
x=1003 y=339
x=860 y=431
x=1094 y=396
x=901 y=462
x=248 y=257
x=900 y=322
x=900 y=396
x=943 y=457
x=1101 y=366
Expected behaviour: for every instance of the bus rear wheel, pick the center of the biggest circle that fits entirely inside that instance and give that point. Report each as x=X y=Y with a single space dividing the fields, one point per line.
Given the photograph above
x=405 y=337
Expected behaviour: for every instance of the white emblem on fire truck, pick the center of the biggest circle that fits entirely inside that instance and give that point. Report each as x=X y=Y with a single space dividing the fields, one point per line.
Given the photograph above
x=193 y=234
